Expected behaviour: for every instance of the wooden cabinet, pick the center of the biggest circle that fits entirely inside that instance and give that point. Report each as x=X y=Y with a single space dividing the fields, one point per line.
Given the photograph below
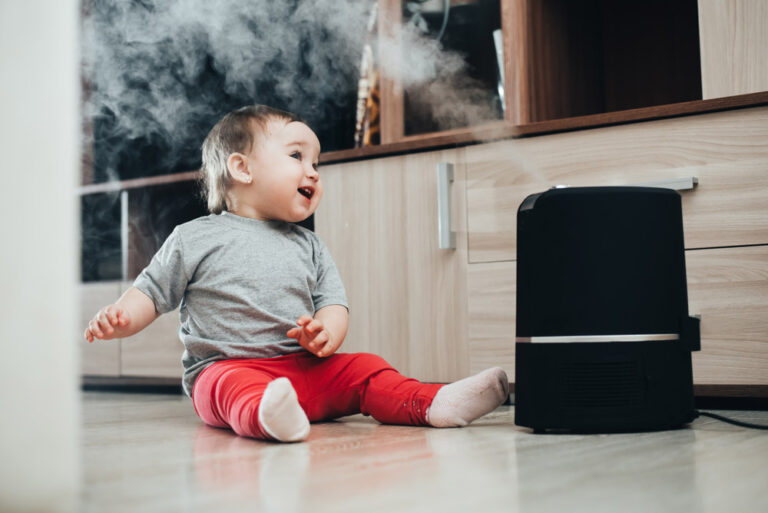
x=407 y=296
x=376 y=222
x=155 y=352
x=725 y=222
x=575 y=59
x=440 y=314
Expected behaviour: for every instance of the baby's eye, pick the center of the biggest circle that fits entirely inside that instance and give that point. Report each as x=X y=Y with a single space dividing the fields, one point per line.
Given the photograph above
x=296 y=155
x=314 y=166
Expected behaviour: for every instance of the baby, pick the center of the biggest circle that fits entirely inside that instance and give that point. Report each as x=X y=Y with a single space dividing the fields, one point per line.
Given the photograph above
x=263 y=309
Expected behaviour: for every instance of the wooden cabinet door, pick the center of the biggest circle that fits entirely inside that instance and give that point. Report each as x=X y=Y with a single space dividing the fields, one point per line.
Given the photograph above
x=728 y=288
x=407 y=297
x=734 y=47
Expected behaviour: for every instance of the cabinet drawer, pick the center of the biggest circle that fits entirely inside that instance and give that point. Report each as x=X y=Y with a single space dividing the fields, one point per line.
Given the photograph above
x=101 y=357
x=727 y=151
x=729 y=289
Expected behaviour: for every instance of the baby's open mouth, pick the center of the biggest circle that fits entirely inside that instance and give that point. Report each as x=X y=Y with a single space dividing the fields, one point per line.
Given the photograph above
x=307 y=192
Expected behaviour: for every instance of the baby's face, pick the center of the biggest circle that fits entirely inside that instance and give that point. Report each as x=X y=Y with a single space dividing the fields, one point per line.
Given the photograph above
x=286 y=185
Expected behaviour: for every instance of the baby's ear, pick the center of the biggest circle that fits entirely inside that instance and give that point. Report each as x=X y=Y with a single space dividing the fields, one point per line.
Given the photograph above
x=237 y=164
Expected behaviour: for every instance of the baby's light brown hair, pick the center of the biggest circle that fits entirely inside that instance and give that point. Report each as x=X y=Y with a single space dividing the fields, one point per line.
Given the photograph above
x=237 y=132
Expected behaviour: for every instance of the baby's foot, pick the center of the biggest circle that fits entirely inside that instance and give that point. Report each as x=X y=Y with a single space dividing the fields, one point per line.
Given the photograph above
x=459 y=403
x=280 y=414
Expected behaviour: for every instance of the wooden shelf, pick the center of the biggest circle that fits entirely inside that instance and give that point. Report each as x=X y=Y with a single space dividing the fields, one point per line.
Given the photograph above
x=505 y=130
x=479 y=134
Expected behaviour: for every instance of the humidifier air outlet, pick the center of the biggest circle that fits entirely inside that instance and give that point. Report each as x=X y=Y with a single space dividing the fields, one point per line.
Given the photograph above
x=599 y=338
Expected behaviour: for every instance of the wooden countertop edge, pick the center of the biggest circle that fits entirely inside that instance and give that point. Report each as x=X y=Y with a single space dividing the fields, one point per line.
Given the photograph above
x=489 y=132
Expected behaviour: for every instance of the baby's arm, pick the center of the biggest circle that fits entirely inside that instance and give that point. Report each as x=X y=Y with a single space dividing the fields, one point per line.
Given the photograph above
x=133 y=312
x=324 y=334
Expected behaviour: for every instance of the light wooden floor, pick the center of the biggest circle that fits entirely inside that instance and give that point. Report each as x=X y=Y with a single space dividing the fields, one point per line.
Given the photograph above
x=150 y=453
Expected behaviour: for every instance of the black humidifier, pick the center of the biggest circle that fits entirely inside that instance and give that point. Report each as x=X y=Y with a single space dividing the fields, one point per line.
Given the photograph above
x=604 y=339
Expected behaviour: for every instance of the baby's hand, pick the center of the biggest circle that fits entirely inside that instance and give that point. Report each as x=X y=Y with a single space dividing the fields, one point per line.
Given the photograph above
x=313 y=337
x=103 y=324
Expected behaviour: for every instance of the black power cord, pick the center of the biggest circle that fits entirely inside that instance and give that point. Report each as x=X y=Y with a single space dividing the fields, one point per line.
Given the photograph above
x=735 y=422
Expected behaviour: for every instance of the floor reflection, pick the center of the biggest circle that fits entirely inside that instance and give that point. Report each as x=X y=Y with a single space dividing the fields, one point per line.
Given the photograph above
x=153 y=454
x=353 y=461
x=596 y=472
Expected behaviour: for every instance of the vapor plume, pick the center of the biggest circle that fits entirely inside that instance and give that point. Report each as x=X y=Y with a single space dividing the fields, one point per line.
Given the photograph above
x=159 y=73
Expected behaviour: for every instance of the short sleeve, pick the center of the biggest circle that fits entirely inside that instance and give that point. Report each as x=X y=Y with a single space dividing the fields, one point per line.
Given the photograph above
x=164 y=280
x=329 y=289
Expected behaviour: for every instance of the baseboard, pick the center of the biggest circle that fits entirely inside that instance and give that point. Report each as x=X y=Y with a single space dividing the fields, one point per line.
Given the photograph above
x=152 y=385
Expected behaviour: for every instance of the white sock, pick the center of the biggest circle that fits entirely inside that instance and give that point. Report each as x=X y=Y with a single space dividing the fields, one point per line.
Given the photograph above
x=280 y=414
x=459 y=403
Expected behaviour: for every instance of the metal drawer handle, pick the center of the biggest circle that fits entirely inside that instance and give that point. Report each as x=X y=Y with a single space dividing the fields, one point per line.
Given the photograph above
x=679 y=184
x=446 y=238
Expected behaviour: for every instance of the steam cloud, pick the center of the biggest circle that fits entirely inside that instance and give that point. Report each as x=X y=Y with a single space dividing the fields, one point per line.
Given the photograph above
x=160 y=73
x=149 y=66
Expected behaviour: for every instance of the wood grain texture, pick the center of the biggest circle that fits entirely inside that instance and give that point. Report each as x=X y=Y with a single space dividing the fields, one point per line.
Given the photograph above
x=727 y=151
x=391 y=106
x=436 y=277
x=407 y=297
x=491 y=303
x=729 y=289
x=514 y=26
x=734 y=47
x=156 y=350
x=101 y=357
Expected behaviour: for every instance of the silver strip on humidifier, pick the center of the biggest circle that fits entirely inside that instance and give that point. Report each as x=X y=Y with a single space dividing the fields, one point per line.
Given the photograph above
x=686 y=183
x=599 y=338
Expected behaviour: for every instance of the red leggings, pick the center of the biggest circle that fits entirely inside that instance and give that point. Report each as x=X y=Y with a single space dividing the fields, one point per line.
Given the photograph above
x=228 y=393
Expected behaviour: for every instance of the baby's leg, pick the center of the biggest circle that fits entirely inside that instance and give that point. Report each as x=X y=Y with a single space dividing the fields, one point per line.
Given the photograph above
x=344 y=384
x=461 y=402
x=248 y=397
x=362 y=382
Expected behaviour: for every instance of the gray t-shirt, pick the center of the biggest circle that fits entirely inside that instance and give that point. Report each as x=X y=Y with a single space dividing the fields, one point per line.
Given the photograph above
x=242 y=283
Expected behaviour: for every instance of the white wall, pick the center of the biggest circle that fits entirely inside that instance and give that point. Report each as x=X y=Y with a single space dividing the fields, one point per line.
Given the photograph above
x=39 y=138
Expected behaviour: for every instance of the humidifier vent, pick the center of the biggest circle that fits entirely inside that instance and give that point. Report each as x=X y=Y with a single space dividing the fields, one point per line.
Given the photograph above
x=602 y=384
